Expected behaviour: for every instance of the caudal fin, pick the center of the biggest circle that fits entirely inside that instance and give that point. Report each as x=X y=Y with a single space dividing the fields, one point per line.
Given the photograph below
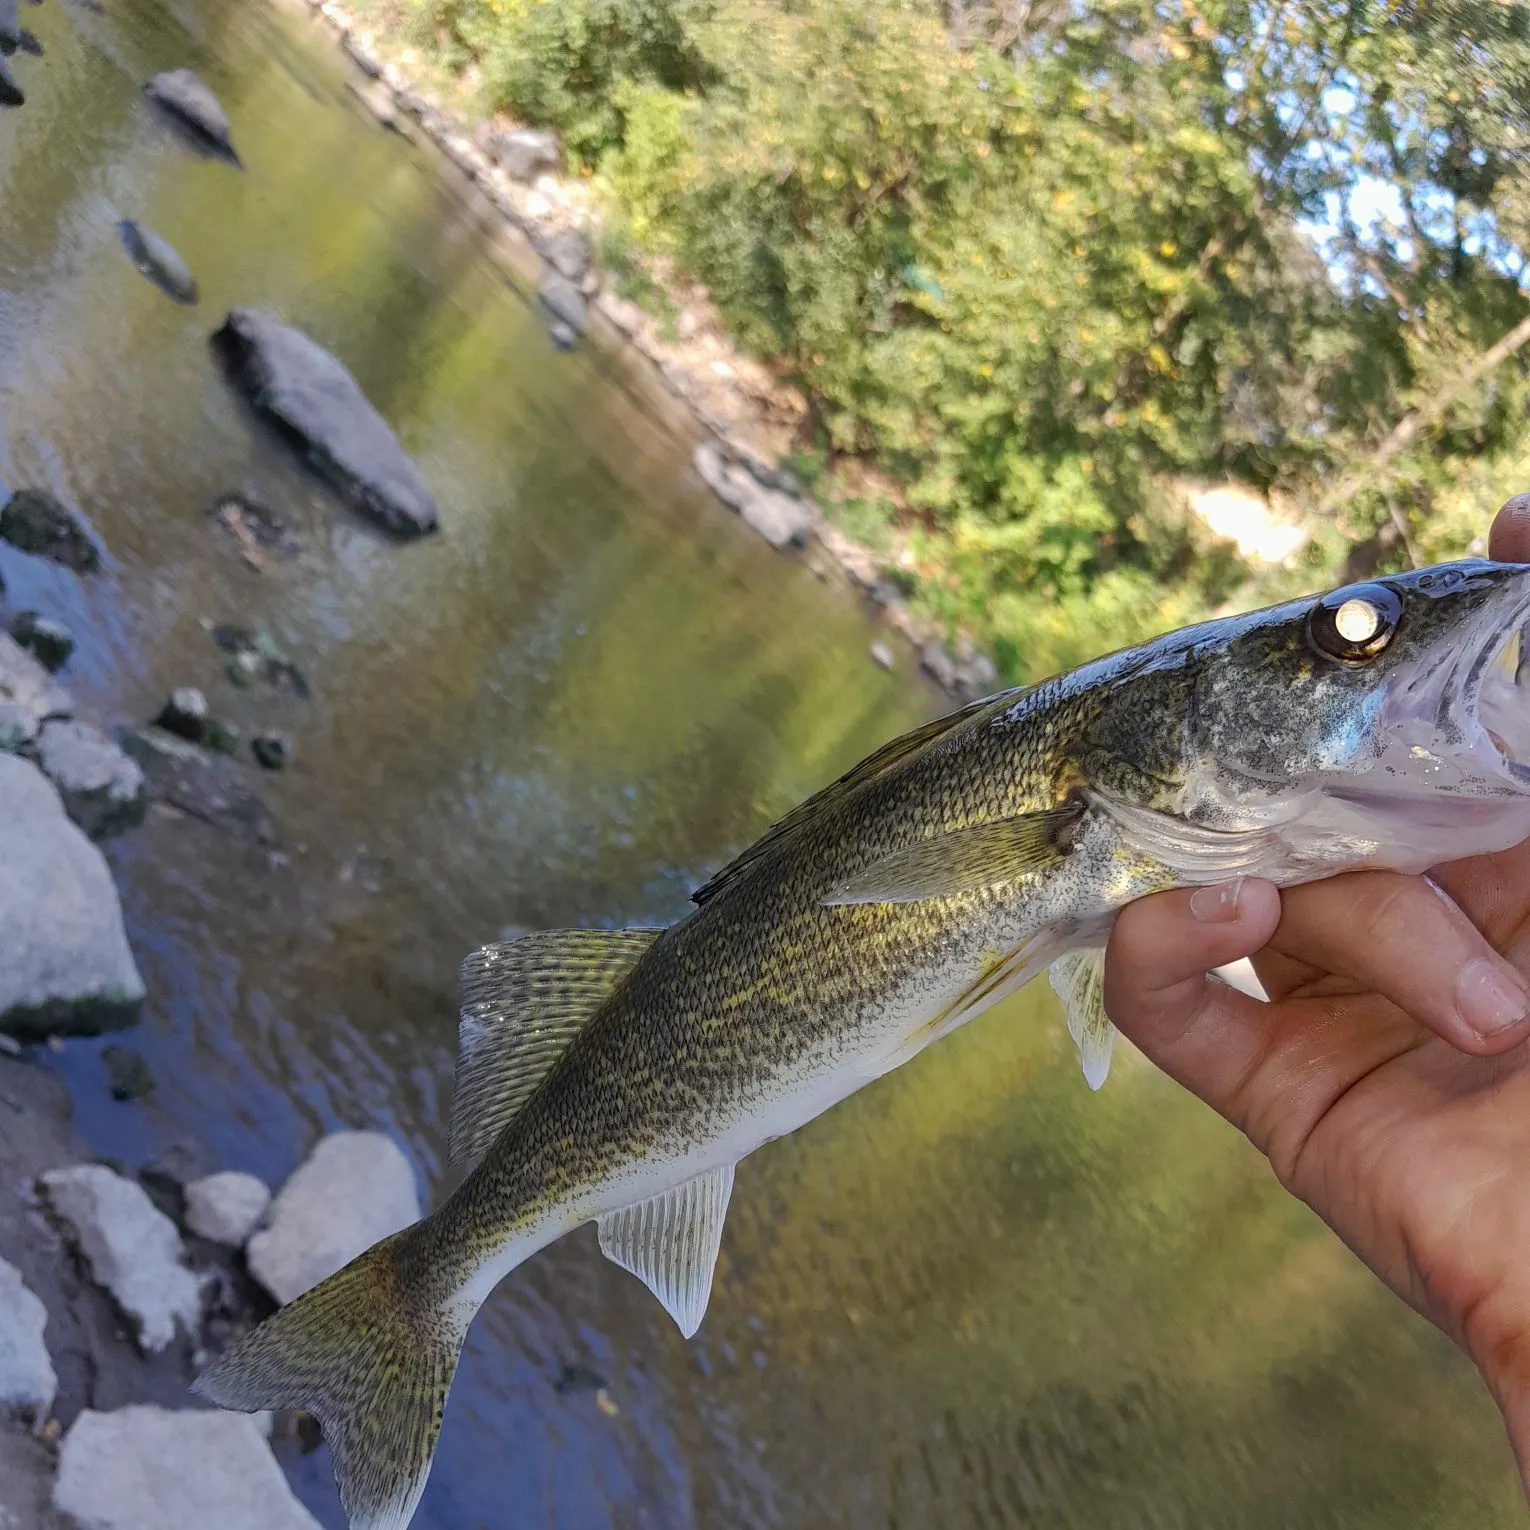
x=372 y=1361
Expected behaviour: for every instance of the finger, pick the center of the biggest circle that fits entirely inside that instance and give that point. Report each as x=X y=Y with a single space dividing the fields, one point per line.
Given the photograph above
x=1509 y=539
x=1403 y=937
x=1157 y=989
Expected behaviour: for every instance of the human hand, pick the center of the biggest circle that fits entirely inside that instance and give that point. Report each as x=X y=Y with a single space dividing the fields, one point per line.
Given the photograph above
x=1388 y=1078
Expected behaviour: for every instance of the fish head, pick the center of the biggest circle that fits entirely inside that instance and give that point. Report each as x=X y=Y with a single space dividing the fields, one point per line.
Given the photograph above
x=1384 y=721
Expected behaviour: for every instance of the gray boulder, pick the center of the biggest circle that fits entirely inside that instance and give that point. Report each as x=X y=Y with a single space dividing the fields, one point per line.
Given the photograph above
x=206 y=785
x=938 y=664
x=354 y=1188
x=67 y=966
x=40 y=523
x=191 y=102
x=147 y=1468
x=11 y=94
x=133 y=1250
x=311 y=396
x=10 y=26
x=29 y=696
x=158 y=260
x=562 y=302
x=781 y=518
x=26 y=1472
x=102 y=789
x=526 y=153
x=226 y=1208
x=568 y=254
x=27 y=1380
x=50 y=642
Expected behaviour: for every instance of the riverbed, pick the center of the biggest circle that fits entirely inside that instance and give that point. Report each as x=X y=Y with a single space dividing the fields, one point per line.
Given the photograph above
x=975 y=1295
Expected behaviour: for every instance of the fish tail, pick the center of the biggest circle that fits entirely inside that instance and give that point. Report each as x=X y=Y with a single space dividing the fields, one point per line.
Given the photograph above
x=370 y=1352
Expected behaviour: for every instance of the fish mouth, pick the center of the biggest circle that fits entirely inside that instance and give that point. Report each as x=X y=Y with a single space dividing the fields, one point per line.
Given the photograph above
x=1481 y=721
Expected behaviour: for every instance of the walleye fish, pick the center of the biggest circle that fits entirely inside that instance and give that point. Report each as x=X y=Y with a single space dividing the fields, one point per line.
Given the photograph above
x=620 y=1076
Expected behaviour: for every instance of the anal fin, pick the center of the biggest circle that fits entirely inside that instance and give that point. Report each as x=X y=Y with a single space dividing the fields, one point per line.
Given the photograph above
x=1078 y=979
x=670 y=1242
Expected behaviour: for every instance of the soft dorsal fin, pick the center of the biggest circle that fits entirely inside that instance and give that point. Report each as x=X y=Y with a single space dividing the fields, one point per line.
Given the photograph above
x=523 y=1001
x=874 y=765
x=670 y=1242
x=1078 y=979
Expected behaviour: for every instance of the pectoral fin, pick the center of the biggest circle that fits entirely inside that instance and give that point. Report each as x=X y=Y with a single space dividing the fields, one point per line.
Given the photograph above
x=670 y=1242
x=1078 y=979
x=966 y=860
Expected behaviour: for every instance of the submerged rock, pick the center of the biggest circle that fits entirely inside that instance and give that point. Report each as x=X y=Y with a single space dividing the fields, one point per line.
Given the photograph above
x=27 y=1379
x=10 y=26
x=272 y=750
x=563 y=303
x=205 y=785
x=781 y=518
x=255 y=656
x=354 y=1188
x=526 y=153
x=132 y=1249
x=102 y=789
x=311 y=396
x=67 y=967
x=157 y=259
x=30 y=44
x=29 y=696
x=11 y=94
x=181 y=93
x=257 y=529
x=127 y=1074
x=185 y=714
x=37 y=522
x=49 y=642
x=148 y=1468
x=226 y=1208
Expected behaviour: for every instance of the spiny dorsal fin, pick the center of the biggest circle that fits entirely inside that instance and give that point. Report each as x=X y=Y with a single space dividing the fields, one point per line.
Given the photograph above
x=965 y=860
x=523 y=1001
x=670 y=1242
x=1078 y=979
x=874 y=765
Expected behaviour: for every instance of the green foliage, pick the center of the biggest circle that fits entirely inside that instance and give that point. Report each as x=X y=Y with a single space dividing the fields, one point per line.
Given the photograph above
x=1033 y=262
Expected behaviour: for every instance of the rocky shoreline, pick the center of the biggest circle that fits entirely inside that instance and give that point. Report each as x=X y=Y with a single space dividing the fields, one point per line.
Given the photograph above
x=745 y=413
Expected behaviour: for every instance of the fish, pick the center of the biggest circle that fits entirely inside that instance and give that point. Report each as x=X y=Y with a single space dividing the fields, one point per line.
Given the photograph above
x=619 y=1076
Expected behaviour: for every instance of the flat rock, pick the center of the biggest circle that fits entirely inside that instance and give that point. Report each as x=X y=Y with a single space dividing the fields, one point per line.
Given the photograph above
x=159 y=260
x=192 y=103
x=354 y=1188
x=147 y=1468
x=524 y=154
x=133 y=1250
x=67 y=966
x=313 y=398
x=781 y=518
x=226 y=1208
x=27 y=1380
x=29 y=696
x=40 y=523
x=101 y=787
x=208 y=786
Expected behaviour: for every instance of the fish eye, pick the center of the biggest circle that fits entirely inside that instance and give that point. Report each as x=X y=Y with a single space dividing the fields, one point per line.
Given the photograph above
x=1353 y=625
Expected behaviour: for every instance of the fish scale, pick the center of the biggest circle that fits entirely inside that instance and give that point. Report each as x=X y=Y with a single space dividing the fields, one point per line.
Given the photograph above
x=619 y=1076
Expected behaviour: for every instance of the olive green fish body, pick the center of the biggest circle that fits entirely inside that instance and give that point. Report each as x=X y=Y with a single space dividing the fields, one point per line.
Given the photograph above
x=619 y=1076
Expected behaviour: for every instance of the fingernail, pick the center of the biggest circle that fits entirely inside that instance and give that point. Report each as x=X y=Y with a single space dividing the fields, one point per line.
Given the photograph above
x=1490 y=997
x=1217 y=905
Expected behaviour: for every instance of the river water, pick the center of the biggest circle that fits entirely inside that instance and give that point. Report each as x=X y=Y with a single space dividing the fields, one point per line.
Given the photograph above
x=972 y=1296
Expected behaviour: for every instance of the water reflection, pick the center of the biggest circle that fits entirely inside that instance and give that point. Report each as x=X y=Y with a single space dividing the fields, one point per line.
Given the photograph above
x=975 y=1295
